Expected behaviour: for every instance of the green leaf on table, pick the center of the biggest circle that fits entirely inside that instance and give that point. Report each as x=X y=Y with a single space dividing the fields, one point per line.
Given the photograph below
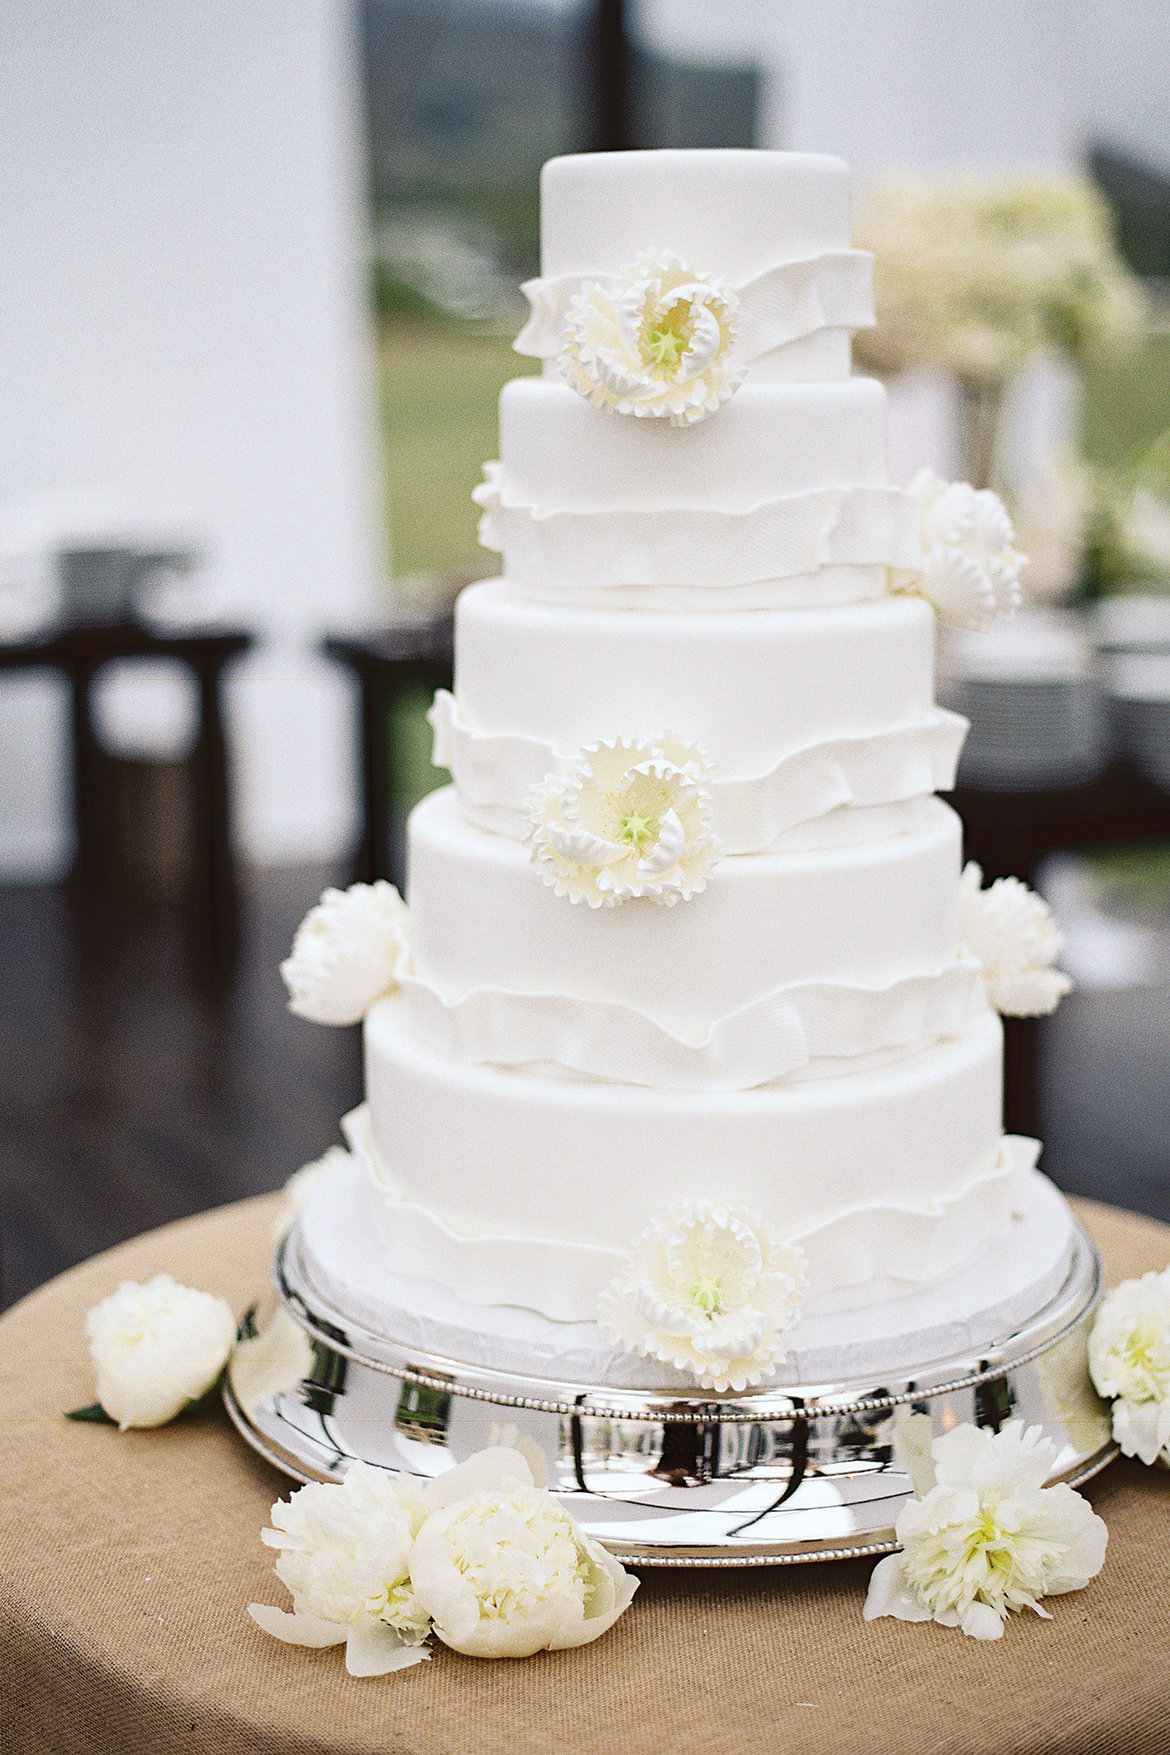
x=94 y=1413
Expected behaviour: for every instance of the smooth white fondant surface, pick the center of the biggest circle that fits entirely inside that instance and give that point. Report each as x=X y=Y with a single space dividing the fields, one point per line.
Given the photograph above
x=864 y=914
x=590 y=1162
x=562 y=455
x=346 y=1239
x=749 y=687
x=726 y=213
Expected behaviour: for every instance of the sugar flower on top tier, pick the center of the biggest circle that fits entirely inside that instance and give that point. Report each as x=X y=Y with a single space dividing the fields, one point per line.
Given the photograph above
x=710 y=1291
x=653 y=340
x=346 y=953
x=1129 y=1361
x=970 y=567
x=1011 y=931
x=988 y=1538
x=632 y=818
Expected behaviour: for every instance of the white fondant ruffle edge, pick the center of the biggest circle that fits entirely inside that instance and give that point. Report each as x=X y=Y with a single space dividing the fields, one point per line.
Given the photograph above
x=863 y=524
x=782 y=304
x=496 y=771
x=773 y=1038
x=911 y=1244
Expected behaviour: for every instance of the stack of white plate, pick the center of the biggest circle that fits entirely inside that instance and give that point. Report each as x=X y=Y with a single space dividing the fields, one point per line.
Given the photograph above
x=1132 y=637
x=1030 y=687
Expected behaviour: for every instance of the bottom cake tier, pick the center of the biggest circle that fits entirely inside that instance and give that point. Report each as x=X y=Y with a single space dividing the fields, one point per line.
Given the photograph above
x=528 y=1189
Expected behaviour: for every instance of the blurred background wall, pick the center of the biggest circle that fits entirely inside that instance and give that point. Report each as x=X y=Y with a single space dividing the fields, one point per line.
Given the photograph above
x=186 y=335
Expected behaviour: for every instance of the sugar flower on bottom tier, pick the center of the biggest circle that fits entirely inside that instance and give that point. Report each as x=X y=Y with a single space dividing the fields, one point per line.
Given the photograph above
x=1129 y=1362
x=970 y=568
x=480 y=1555
x=156 y=1348
x=653 y=340
x=988 y=1538
x=1011 y=931
x=346 y=953
x=709 y=1291
x=632 y=818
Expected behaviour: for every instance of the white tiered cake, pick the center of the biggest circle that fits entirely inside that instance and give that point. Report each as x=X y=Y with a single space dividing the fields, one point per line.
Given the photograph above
x=679 y=1024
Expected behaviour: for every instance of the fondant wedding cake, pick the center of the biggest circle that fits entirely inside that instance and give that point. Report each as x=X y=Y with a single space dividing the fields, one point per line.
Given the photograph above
x=684 y=1062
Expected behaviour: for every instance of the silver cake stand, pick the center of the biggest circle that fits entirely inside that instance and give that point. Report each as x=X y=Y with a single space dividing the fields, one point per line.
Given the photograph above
x=778 y=1476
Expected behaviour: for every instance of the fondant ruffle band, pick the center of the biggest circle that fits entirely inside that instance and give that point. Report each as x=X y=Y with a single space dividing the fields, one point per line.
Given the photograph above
x=788 y=537
x=832 y=290
x=496 y=771
x=908 y=1245
x=775 y=1037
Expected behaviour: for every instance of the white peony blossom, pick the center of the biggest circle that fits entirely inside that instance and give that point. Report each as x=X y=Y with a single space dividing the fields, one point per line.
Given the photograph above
x=346 y=953
x=653 y=340
x=156 y=1348
x=632 y=818
x=1011 y=931
x=970 y=567
x=345 y=1556
x=989 y=1538
x=709 y=1291
x=502 y=1568
x=1129 y=1362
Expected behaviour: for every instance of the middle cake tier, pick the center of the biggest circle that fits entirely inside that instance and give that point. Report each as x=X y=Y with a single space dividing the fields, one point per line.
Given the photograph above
x=787 y=964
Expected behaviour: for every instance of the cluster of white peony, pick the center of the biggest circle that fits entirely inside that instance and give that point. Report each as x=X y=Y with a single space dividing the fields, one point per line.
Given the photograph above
x=1129 y=1362
x=632 y=818
x=976 y=275
x=347 y=953
x=1011 y=931
x=481 y=1556
x=988 y=1537
x=970 y=569
x=653 y=341
x=709 y=1291
x=156 y=1348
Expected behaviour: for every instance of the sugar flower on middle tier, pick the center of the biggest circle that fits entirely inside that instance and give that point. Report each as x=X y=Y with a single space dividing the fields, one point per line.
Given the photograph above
x=632 y=818
x=1011 y=930
x=710 y=1291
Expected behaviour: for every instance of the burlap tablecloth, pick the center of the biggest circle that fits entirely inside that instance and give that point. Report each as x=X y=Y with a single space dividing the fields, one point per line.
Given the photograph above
x=127 y=1561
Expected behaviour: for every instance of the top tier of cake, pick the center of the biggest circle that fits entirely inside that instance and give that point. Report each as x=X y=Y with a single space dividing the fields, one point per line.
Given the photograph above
x=729 y=213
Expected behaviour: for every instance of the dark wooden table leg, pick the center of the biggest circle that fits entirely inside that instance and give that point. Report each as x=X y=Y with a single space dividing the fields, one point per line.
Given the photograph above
x=375 y=857
x=214 y=899
x=91 y=857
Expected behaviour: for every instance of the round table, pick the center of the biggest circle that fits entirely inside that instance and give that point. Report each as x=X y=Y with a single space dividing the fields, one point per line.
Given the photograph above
x=127 y=1561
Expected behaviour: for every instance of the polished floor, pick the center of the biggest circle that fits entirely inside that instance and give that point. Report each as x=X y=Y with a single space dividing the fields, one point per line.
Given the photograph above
x=133 y=1092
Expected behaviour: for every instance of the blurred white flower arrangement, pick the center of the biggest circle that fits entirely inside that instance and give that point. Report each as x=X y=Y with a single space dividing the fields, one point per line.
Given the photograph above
x=1129 y=1362
x=976 y=276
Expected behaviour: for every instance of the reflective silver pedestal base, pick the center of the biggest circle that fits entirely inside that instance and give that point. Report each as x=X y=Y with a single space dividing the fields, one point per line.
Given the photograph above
x=778 y=1476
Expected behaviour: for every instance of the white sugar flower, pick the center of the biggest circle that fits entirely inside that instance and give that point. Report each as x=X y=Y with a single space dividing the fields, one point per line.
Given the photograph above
x=989 y=1538
x=632 y=818
x=502 y=1568
x=653 y=340
x=1011 y=931
x=970 y=567
x=156 y=1348
x=1129 y=1361
x=345 y=1556
x=709 y=1291
x=346 y=953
